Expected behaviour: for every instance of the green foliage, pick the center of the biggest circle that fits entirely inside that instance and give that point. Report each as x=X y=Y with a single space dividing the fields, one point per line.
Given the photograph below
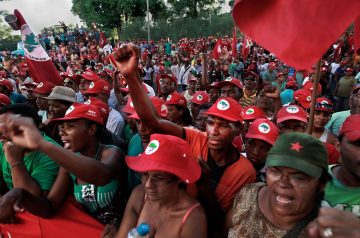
x=8 y=41
x=193 y=8
x=179 y=28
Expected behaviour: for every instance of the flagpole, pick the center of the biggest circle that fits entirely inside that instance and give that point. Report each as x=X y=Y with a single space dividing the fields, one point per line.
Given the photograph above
x=313 y=97
x=148 y=20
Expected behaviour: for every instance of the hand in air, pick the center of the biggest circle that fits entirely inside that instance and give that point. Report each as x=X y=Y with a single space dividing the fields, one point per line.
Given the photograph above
x=127 y=59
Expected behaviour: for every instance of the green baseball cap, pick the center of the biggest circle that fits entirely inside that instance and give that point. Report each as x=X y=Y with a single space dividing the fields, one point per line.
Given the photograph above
x=299 y=151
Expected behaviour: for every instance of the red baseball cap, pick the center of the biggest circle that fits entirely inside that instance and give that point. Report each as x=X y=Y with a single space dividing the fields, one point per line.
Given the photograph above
x=200 y=98
x=212 y=85
x=303 y=96
x=291 y=83
x=231 y=81
x=159 y=105
x=44 y=88
x=272 y=65
x=98 y=86
x=171 y=77
x=263 y=129
x=351 y=127
x=75 y=77
x=323 y=104
x=250 y=74
x=90 y=75
x=129 y=107
x=168 y=154
x=4 y=100
x=324 y=69
x=82 y=111
x=6 y=83
x=102 y=106
x=176 y=98
x=253 y=112
x=226 y=108
x=349 y=70
x=292 y=112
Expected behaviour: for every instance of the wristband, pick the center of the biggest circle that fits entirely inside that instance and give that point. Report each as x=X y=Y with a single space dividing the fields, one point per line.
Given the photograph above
x=17 y=164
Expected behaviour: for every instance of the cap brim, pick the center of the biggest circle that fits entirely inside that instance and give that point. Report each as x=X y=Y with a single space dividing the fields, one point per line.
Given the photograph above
x=67 y=99
x=65 y=119
x=260 y=137
x=143 y=163
x=279 y=120
x=224 y=83
x=222 y=115
x=274 y=160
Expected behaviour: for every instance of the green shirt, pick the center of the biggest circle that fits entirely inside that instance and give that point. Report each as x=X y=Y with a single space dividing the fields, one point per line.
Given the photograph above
x=340 y=196
x=346 y=85
x=135 y=148
x=336 y=120
x=40 y=167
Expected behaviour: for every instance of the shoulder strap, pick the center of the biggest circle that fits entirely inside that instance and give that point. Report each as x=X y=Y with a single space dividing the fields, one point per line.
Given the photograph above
x=187 y=214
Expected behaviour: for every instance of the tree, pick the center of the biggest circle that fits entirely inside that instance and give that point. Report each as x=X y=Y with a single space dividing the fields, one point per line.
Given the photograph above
x=110 y=14
x=192 y=8
x=5 y=30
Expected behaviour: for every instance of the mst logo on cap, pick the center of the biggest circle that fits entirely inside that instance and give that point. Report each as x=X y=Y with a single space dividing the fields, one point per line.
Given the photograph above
x=249 y=111
x=92 y=84
x=308 y=98
x=168 y=98
x=264 y=128
x=199 y=97
x=223 y=105
x=40 y=85
x=71 y=108
x=88 y=102
x=152 y=147
x=131 y=104
x=292 y=109
x=228 y=79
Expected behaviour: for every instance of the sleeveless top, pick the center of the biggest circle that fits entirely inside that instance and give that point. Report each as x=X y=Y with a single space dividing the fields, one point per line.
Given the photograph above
x=94 y=198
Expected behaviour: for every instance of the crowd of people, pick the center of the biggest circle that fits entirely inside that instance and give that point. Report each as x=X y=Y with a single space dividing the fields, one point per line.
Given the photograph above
x=165 y=133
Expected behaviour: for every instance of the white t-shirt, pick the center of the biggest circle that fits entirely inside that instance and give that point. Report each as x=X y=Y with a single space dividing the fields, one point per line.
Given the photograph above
x=184 y=75
x=148 y=73
x=334 y=67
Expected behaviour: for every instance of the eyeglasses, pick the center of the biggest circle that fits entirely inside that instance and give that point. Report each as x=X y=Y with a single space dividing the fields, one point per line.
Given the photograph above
x=297 y=180
x=154 y=179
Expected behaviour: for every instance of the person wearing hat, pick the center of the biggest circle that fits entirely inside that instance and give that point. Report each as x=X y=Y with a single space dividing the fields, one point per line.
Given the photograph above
x=250 y=114
x=177 y=111
x=292 y=118
x=4 y=100
x=7 y=88
x=250 y=89
x=167 y=84
x=199 y=98
x=22 y=167
x=322 y=115
x=94 y=173
x=302 y=97
x=100 y=89
x=228 y=169
x=270 y=74
x=259 y=139
x=42 y=90
x=342 y=191
x=214 y=92
x=280 y=81
x=287 y=96
x=160 y=201
x=71 y=80
x=86 y=78
x=343 y=90
x=231 y=87
x=296 y=176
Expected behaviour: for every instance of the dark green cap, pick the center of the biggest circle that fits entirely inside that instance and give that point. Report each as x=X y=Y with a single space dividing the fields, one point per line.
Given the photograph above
x=299 y=151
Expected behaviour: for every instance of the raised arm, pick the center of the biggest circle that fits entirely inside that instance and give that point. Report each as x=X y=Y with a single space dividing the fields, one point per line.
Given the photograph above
x=127 y=62
x=23 y=132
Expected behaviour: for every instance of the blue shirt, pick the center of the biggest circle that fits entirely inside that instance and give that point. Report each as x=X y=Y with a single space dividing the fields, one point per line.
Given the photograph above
x=17 y=98
x=287 y=96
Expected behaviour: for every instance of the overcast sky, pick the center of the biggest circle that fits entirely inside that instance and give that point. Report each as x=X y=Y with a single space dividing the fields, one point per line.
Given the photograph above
x=42 y=13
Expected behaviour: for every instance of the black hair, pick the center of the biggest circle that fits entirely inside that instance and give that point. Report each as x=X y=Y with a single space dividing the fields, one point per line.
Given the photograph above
x=205 y=106
x=99 y=128
x=186 y=116
x=24 y=110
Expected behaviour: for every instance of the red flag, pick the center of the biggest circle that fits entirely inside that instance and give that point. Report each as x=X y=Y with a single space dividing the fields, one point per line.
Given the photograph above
x=357 y=34
x=297 y=32
x=234 y=43
x=41 y=68
x=245 y=49
x=102 y=40
x=217 y=49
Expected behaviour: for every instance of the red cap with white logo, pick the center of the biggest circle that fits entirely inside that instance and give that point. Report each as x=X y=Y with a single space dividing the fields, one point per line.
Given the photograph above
x=82 y=111
x=263 y=129
x=226 y=108
x=99 y=86
x=200 y=98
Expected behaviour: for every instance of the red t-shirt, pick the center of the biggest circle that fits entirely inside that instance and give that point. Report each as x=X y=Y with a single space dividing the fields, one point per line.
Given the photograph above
x=235 y=176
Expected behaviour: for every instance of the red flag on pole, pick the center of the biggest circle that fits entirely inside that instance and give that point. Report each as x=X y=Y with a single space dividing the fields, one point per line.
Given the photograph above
x=246 y=45
x=357 y=34
x=297 y=32
x=102 y=40
x=217 y=49
x=41 y=68
x=234 y=43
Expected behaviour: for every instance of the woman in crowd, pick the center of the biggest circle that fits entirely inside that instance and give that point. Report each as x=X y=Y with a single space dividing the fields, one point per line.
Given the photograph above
x=322 y=115
x=295 y=179
x=161 y=201
x=95 y=172
x=178 y=111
